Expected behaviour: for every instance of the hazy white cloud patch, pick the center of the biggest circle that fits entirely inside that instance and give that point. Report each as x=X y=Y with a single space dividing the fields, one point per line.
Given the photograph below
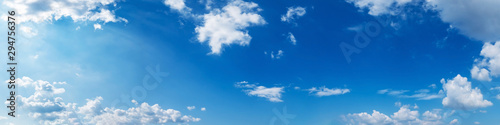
x=273 y=94
x=291 y=38
x=191 y=107
x=48 y=10
x=323 y=91
x=379 y=7
x=293 y=13
x=422 y=94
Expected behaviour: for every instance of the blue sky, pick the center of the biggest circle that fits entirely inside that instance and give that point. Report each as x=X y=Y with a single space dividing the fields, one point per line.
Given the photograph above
x=227 y=62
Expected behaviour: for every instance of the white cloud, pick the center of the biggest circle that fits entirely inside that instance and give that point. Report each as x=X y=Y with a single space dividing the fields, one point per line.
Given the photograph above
x=323 y=91
x=433 y=86
x=36 y=56
x=49 y=10
x=28 y=31
x=403 y=116
x=498 y=96
x=178 y=5
x=460 y=95
x=489 y=64
x=292 y=39
x=454 y=122
x=477 y=123
x=277 y=55
x=45 y=106
x=191 y=107
x=203 y=109
x=143 y=114
x=376 y=118
x=97 y=26
x=480 y=74
x=475 y=18
x=292 y=13
x=422 y=94
x=398 y=104
x=379 y=7
x=273 y=94
x=226 y=26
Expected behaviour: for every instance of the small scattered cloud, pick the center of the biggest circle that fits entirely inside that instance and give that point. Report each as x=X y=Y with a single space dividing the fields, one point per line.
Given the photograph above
x=292 y=39
x=379 y=7
x=203 y=109
x=293 y=13
x=97 y=26
x=178 y=5
x=274 y=55
x=454 y=122
x=191 y=107
x=273 y=94
x=323 y=91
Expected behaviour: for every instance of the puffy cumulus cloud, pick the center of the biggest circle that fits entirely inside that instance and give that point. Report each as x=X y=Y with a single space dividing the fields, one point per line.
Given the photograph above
x=143 y=114
x=376 y=118
x=178 y=5
x=45 y=106
x=489 y=64
x=460 y=94
x=475 y=18
x=292 y=13
x=49 y=10
x=323 y=91
x=379 y=7
x=226 y=26
x=203 y=109
x=480 y=74
x=273 y=94
x=402 y=117
x=405 y=114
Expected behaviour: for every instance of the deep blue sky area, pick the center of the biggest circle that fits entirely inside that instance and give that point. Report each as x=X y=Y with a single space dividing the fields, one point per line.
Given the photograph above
x=420 y=68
